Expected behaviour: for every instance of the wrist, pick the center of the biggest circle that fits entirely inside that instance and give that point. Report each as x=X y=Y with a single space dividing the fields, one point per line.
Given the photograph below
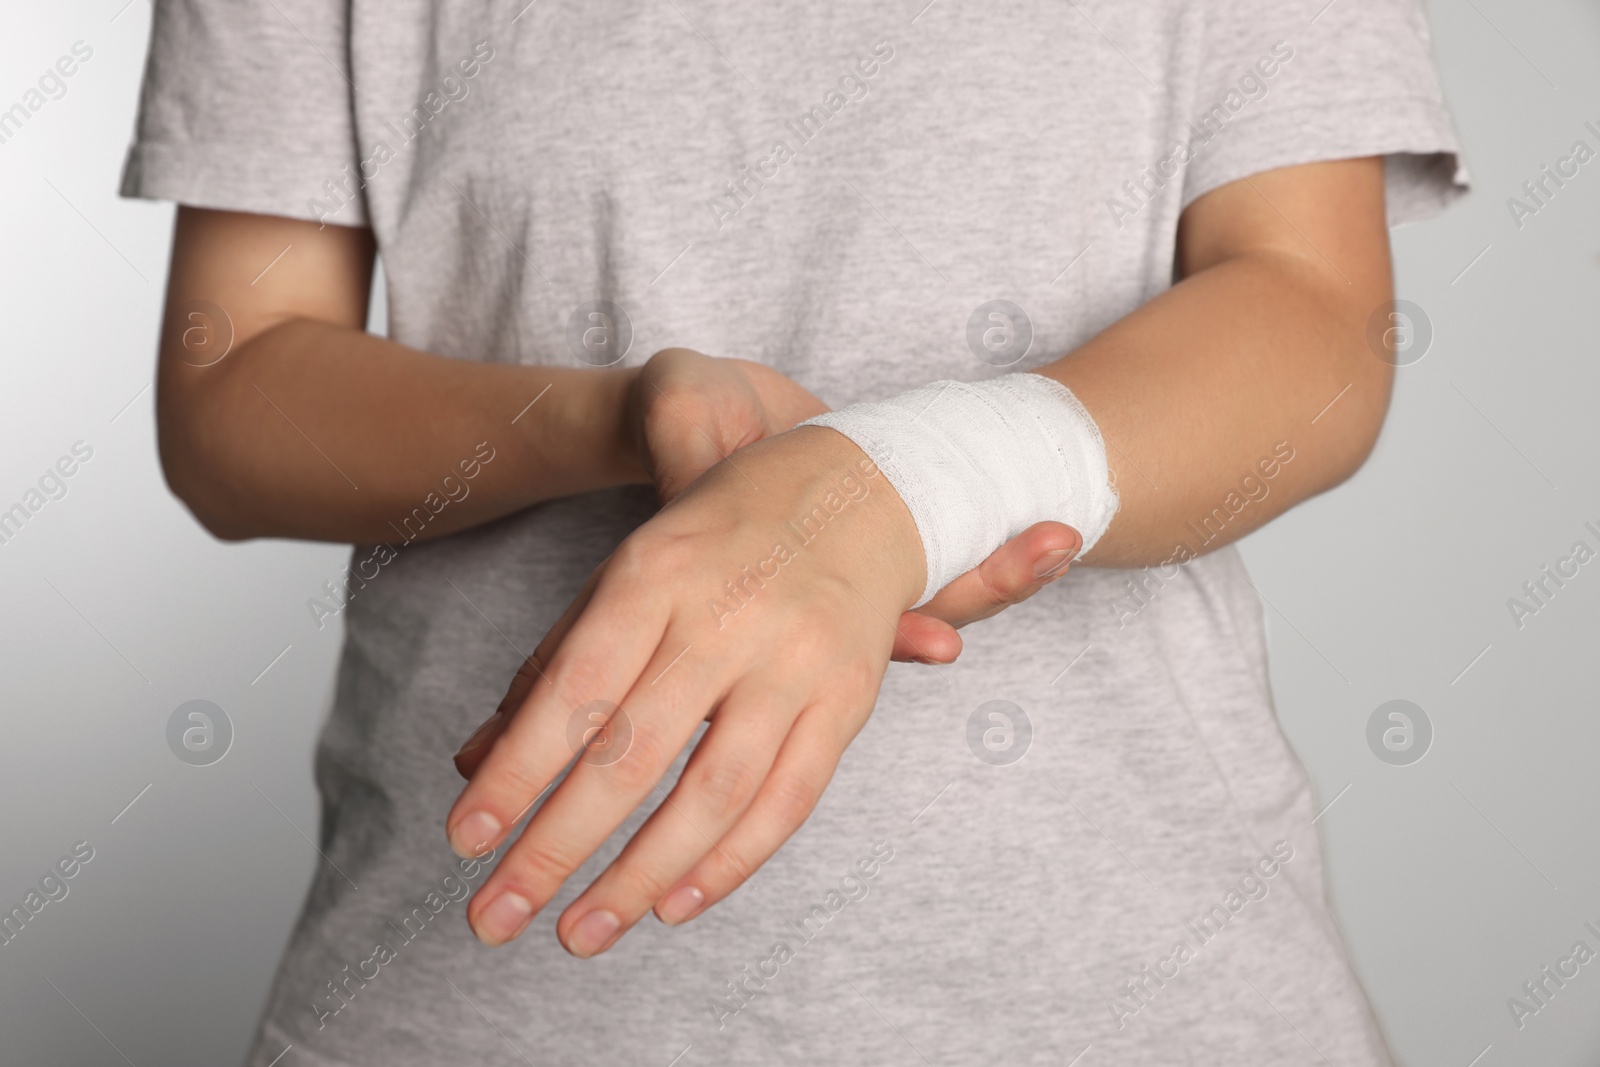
x=883 y=554
x=618 y=412
x=608 y=419
x=576 y=427
x=977 y=463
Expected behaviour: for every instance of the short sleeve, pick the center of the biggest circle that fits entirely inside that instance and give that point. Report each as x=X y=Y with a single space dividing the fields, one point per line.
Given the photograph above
x=248 y=106
x=1280 y=85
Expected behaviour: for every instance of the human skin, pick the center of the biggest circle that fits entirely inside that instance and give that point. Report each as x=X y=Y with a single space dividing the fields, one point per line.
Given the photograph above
x=310 y=427
x=1262 y=342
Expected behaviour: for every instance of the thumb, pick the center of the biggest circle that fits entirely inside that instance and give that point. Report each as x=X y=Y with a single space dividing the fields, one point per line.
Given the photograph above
x=689 y=431
x=1012 y=573
x=680 y=456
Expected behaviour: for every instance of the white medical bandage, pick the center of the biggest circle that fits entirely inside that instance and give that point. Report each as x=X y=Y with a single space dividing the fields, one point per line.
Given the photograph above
x=978 y=463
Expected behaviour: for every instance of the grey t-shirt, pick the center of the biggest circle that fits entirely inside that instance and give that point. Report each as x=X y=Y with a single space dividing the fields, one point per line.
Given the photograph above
x=1118 y=856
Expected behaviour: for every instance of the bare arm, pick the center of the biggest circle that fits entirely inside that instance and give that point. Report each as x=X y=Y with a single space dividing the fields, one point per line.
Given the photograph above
x=306 y=426
x=1223 y=373
x=310 y=427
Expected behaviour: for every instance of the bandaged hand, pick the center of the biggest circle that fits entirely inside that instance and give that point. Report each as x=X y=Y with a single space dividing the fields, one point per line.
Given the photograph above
x=761 y=598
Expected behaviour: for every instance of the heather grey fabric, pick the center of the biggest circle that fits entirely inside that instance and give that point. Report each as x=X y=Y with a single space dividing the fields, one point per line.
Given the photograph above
x=1144 y=882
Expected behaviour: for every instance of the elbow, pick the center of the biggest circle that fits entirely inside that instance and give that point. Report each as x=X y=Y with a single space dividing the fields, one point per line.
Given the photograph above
x=1352 y=458
x=191 y=470
x=1368 y=388
x=196 y=489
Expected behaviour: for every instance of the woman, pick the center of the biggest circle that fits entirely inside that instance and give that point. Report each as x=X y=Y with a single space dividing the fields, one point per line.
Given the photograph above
x=1086 y=838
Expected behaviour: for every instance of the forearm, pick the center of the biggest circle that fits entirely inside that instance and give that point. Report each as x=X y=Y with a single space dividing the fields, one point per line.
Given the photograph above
x=321 y=431
x=1206 y=395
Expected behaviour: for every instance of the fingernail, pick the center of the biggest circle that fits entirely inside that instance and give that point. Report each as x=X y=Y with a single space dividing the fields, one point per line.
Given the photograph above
x=680 y=904
x=503 y=919
x=593 y=932
x=474 y=834
x=1052 y=563
x=478 y=735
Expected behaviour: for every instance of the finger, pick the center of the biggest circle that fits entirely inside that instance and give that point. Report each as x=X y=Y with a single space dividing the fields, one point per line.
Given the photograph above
x=696 y=436
x=1012 y=573
x=718 y=784
x=921 y=638
x=477 y=747
x=786 y=799
x=605 y=785
x=607 y=647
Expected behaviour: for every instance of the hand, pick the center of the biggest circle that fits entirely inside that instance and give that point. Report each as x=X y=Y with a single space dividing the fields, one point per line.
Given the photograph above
x=1014 y=572
x=689 y=411
x=714 y=608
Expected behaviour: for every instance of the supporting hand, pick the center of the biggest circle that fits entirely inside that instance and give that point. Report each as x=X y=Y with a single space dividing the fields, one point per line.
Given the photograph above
x=760 y=598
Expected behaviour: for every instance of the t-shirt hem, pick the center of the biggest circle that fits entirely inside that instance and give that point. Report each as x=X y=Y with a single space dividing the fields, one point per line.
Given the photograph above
x=1424 y=171
x=277 y=183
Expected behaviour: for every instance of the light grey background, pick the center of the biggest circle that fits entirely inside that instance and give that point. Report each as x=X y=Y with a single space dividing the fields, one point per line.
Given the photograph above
x=1456 y=878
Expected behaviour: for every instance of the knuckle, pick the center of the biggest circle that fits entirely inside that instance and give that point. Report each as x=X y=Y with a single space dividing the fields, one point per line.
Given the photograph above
x=543 y=659
x=540 y=864
x=643 y=882
x=641 y=560
x=731 y=867
x=856 y=679
x=721 y=788
x=534 y=666
x=805 y=644
x=580 y=680
x=661 y=418
x=793 y=799
x=629 y=563
x=522 y=684
x=995 y=594
x=639 y=768
x=512 y=779
x=675 y=399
